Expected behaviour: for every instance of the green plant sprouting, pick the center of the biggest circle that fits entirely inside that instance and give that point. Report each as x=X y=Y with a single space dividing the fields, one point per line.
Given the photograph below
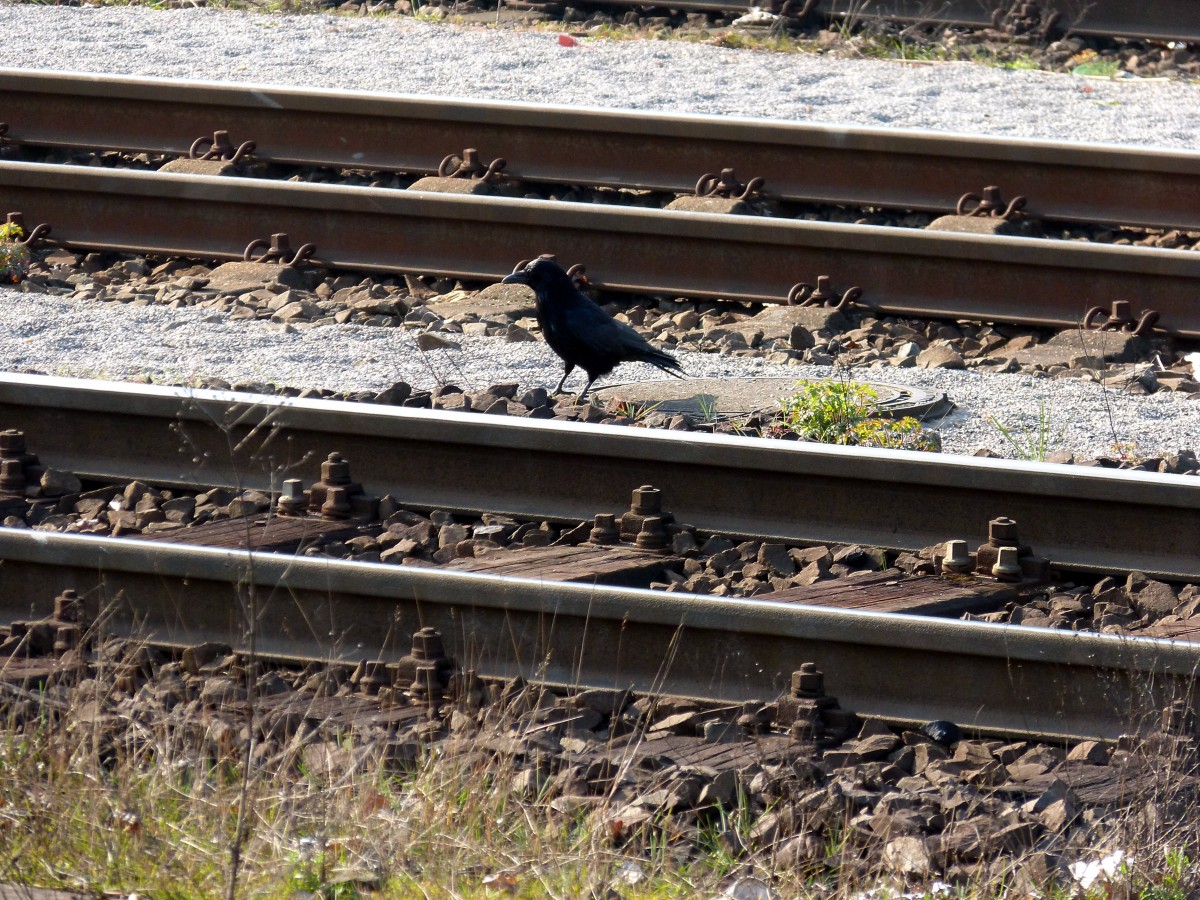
x=1032 y=444
x=845 y=412
x=14 y=256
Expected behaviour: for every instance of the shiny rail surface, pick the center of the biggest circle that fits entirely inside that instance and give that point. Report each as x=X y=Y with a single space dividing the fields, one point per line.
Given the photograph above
x=997 y=678
x=901 y=271
x=1080 y=517
x=825 y=164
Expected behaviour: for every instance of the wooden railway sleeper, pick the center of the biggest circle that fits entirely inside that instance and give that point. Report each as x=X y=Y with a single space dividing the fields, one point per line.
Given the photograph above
x=1121 y=318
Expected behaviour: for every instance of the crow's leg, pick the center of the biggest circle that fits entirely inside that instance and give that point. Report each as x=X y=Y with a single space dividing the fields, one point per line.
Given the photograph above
x=570 y=369
x=586 y=388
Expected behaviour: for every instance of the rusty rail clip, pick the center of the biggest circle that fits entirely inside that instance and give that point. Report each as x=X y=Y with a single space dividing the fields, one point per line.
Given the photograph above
x=990 y=203
x=17 y=220
x=468 y=165
x=1121 y=318
x=220 y=147
x=727 y=185
x=804 y=294
x=1024 y=19
x=279 y=251
x=577 y=273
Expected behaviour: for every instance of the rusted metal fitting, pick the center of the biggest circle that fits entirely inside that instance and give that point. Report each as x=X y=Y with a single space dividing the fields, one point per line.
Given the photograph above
x=375 y=675
x=16 y=220
x=1121 y=318
x=727 y=185
x=957 y=560
x=12 y=478
x=1007 y=568
x=990 y=203
x=804 y=294
x=469 y=165
x=605 y=530
x=12 y=443
x=348 y=498
x=220 y=147
x=808 y=681
x=68 y=607
x=1178 y=718
x=291 y=500
x=1002 y=533
x=279 y=250
x=652 y=535
x=67 y=638
x=808 y=712
x=337 y=504
x=1022 y=19
x=427 y=667
x=18 y=469
x=646 y=502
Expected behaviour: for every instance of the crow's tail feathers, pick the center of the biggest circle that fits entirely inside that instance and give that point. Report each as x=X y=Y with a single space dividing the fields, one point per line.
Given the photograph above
x=666 y=363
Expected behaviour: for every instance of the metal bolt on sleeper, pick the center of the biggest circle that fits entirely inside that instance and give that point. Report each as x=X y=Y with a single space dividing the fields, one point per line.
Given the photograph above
x=957 y=559
x=1007 y=568
x=652 y=536
x=605 y=530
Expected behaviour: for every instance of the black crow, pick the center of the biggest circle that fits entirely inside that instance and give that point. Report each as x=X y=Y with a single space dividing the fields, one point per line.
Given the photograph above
x=581 y=332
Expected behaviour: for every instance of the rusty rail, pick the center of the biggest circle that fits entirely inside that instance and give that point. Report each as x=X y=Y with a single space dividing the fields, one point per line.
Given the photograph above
x=996 y=678
x=902 y=271
x=818 y=163
x=1086 y=518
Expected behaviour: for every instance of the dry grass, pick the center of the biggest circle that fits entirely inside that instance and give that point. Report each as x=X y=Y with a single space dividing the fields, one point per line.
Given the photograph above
x=103 y=793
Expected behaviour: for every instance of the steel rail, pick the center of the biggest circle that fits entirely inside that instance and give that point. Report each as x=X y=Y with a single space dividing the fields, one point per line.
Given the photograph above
x=1081 y=517
x=997 y=678
x=826 y=164
x=902 y=271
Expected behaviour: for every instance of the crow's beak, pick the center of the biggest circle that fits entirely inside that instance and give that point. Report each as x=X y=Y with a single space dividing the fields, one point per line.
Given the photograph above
x=515 y=278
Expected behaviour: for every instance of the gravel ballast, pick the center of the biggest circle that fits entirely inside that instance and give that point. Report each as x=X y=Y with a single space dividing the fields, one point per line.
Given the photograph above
x=44 y=333
x=401 y=55
x=48 y=334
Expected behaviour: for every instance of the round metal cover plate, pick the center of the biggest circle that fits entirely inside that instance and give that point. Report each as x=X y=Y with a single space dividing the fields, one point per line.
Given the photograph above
x=708 y=397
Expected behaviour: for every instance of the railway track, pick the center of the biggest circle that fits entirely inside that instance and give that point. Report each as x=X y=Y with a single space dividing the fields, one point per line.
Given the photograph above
x=843 y=165
x=741 y=258
x=1082 y=518
x=995 y=678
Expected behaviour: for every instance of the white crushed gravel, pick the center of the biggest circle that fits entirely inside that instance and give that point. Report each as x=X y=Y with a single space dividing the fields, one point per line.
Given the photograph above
x=57 y=336
x=406 y=56
x=65 y=337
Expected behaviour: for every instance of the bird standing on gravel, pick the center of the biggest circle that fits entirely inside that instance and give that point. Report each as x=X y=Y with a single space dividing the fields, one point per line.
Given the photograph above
x=580 y=332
